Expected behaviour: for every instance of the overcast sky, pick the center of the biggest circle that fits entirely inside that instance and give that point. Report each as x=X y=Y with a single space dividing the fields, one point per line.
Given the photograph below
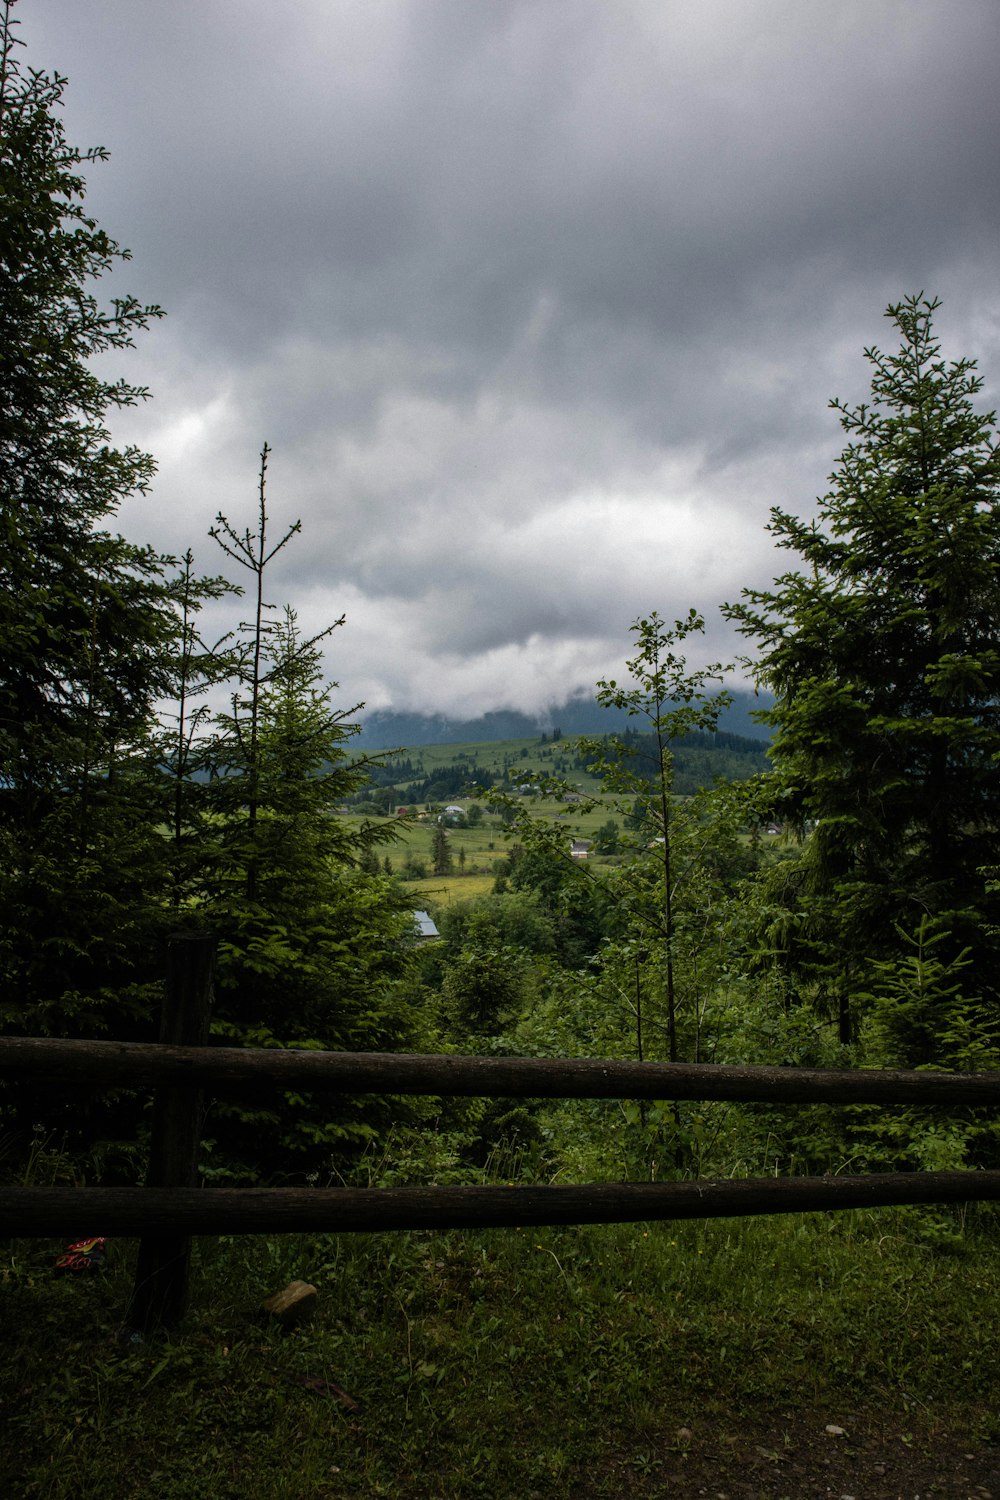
x=539 y=303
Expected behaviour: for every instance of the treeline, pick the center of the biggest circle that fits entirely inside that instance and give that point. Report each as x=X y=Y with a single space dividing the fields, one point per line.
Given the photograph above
x=698 y=758
x=394 y=784
x=393 y=772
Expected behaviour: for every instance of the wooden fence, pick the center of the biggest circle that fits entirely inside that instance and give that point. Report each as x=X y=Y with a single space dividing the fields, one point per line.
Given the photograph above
x=181 y=1067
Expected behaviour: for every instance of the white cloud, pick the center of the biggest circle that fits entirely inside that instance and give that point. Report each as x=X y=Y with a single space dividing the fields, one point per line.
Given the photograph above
x=539 y=306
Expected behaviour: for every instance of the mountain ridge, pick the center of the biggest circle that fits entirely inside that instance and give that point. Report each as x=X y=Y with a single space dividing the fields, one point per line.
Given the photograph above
x=387 y=728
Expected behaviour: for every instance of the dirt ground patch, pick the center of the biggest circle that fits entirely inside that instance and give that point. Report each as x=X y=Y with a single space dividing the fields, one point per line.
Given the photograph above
x=811 y=1455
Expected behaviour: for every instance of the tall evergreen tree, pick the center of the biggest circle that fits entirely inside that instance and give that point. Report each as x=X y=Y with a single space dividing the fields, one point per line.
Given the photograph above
x=883 y=653
x=66 y=582
x=86 y=620
x=279 y=757
x=441 y=852
x=311 y=941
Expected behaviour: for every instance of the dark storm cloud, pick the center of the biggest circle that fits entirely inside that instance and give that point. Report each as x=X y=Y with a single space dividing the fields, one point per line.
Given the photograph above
x=539 y=303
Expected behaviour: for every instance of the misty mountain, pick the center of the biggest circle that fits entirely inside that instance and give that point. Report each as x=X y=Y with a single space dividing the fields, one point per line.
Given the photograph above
x=385 y=728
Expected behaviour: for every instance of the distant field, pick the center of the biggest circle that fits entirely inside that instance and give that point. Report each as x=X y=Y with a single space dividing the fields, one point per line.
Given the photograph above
x=448 y=890
x=482 y=846
x=476 y=851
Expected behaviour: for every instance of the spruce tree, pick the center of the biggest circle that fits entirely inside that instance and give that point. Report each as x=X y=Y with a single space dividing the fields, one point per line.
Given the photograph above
x=441 y=852
x=312 y=942
x=87 y=621
x=883 y=654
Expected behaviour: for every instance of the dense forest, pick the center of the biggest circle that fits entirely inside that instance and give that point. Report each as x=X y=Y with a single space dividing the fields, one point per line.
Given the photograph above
x=834 y=903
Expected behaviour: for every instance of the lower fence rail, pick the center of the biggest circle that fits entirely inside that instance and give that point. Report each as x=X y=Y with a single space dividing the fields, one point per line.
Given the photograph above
x=35 y=1211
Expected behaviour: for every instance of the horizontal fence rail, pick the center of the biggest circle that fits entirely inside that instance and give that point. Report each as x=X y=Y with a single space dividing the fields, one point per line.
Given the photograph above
x=193 y=1211
x=87 y=1064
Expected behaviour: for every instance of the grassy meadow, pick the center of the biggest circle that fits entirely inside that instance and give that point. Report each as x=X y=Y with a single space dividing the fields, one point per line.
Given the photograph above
x=613 y=1361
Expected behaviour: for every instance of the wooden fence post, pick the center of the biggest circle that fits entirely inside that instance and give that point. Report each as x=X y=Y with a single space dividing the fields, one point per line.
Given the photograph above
x=160 y=1293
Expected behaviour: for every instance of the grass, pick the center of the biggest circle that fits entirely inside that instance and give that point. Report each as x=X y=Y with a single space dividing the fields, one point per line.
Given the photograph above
x=502 y=1363
x=446 y=890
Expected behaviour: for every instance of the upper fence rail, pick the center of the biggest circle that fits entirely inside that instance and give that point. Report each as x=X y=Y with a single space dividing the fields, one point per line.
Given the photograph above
x=89 y=1064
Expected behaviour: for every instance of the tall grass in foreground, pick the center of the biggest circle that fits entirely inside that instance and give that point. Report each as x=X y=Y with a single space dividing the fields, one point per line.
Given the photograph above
x=501 y=1363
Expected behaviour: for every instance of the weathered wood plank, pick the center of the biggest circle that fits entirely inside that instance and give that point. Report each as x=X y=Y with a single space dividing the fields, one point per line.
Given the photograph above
x=131 y=1211
x=88 y=1064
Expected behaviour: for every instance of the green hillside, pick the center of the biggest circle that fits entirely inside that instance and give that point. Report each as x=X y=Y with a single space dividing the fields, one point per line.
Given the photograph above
x=439 y=773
